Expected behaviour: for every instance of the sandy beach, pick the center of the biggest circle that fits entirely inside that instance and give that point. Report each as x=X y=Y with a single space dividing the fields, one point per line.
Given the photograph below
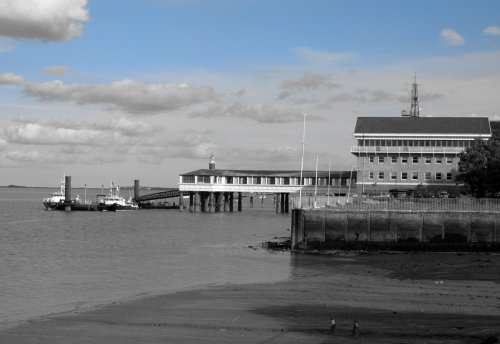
x=396 y=298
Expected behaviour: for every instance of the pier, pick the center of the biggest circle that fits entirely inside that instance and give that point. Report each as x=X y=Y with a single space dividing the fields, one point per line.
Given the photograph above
x=212 y=190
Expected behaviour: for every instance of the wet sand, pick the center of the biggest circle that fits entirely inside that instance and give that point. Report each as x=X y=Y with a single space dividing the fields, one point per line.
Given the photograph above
x=396 y=298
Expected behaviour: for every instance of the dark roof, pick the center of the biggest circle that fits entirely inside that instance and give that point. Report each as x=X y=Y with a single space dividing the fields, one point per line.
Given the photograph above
x=268 y=173
x=423 y=125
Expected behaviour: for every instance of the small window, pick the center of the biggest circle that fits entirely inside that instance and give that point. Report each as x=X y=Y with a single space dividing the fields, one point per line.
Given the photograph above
x=381 y=175
x=394 y=159
x=393 y=175
x=188 y=179
x=427 y=176
x=257 y=180
x=404 y=175
x=243 y=180
x=204 y=179
x=427 y=160
x=370 y=175
x=415 y=159
x=370 y=159
x=449 y=160
x=404 y=160
x=380 y=159
x=439 y=160
x=438 y=175
x=448 y=176
x=414 y=175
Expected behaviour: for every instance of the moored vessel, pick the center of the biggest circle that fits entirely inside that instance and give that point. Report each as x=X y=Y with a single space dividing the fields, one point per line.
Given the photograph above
x=113 y=201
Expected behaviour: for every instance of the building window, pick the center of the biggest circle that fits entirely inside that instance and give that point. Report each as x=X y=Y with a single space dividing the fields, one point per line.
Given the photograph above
x=257 y=180
x=427 y=176
x=427 y=160
x=404 y=175
x=188 y=179
x=404 y=159
x=204 y=179
x=439 y=160
x=380 y=159
x=415 y=159
x=272 y=181
x=394 y=159
x=449 y=160
x=393 y=175
x=370 y=176
x=370 y=159
x=381 y=175
x=414 y=175
x=229 y=180
x=438 y=175
x=448 y=176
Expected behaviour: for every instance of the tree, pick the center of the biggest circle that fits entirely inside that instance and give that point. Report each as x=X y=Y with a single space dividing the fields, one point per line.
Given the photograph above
x=479 y=165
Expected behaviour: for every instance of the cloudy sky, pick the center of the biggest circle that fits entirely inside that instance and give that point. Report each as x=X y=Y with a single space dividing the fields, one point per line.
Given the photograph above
x=148 y=89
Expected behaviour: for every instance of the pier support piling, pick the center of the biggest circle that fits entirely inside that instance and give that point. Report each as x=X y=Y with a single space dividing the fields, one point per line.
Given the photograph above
x=67 y=193
x=240 y=201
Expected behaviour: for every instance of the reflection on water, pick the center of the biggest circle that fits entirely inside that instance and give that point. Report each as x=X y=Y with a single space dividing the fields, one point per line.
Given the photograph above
x=53 y=261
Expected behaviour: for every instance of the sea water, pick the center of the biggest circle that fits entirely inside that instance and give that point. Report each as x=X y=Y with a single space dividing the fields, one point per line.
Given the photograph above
x=55 y=261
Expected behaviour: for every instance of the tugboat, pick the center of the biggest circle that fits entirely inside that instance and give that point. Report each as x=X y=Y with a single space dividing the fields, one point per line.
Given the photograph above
x=113 y=202
x=56 y=199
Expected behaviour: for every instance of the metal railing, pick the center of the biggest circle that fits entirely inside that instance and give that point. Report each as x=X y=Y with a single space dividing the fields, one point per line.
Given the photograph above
x=464 y=204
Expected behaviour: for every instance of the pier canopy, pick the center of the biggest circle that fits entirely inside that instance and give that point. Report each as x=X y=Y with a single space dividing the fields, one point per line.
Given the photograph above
x=265 y=181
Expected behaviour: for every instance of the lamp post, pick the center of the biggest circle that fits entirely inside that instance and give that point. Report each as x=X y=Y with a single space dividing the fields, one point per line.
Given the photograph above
x=350 y=181
x=328 y=183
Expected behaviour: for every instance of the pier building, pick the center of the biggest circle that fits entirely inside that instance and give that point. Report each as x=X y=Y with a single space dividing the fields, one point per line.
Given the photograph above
x=214 y=189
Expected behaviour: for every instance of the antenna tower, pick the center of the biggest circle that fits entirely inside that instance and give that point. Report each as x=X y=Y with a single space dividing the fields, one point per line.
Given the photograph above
x=414 y=108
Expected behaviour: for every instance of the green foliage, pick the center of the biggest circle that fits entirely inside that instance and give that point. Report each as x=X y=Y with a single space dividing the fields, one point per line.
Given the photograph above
x=479 y=166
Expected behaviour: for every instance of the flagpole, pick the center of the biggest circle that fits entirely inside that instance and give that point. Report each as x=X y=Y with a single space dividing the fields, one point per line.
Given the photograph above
x=316 y=183
x=301 y=182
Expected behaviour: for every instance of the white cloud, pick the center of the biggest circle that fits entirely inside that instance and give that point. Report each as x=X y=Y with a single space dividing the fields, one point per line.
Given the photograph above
x=11 y=79
x=261 y=113
x=3 y=144
x=452 y=38
x=492 y=31
x=126 y=95
x=47 y=20
x=309 y=81
x=34 y=133
x=56 y=70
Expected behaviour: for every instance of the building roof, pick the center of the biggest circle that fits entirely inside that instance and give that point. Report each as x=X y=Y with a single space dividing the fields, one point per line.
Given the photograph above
x=423 y=125
x=269 y=173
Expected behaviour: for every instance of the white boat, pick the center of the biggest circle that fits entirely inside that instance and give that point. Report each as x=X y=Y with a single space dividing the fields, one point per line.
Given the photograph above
x=56 y=199
x=114 y=202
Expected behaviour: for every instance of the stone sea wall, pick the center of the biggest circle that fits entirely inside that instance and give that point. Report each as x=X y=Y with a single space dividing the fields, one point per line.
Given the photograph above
x=316 y=229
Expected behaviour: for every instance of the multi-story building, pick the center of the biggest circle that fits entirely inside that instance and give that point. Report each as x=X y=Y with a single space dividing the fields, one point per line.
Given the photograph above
x=401 y=153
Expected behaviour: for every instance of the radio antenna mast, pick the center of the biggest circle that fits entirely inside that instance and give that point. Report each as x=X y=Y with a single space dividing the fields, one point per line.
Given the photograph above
x=414 y=108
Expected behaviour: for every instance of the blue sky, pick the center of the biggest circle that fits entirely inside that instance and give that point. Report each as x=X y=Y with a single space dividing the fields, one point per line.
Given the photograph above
x=149 y=89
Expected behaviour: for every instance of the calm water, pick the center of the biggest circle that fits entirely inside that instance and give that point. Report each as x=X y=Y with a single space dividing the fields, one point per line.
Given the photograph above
x=52 y=261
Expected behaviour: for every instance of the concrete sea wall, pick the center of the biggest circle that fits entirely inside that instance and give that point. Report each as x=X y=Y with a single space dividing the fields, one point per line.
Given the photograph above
x=406 y=230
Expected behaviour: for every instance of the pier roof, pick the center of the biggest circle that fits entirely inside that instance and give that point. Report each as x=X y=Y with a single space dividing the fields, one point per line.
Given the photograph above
x=269 y=173
x=423 y=125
